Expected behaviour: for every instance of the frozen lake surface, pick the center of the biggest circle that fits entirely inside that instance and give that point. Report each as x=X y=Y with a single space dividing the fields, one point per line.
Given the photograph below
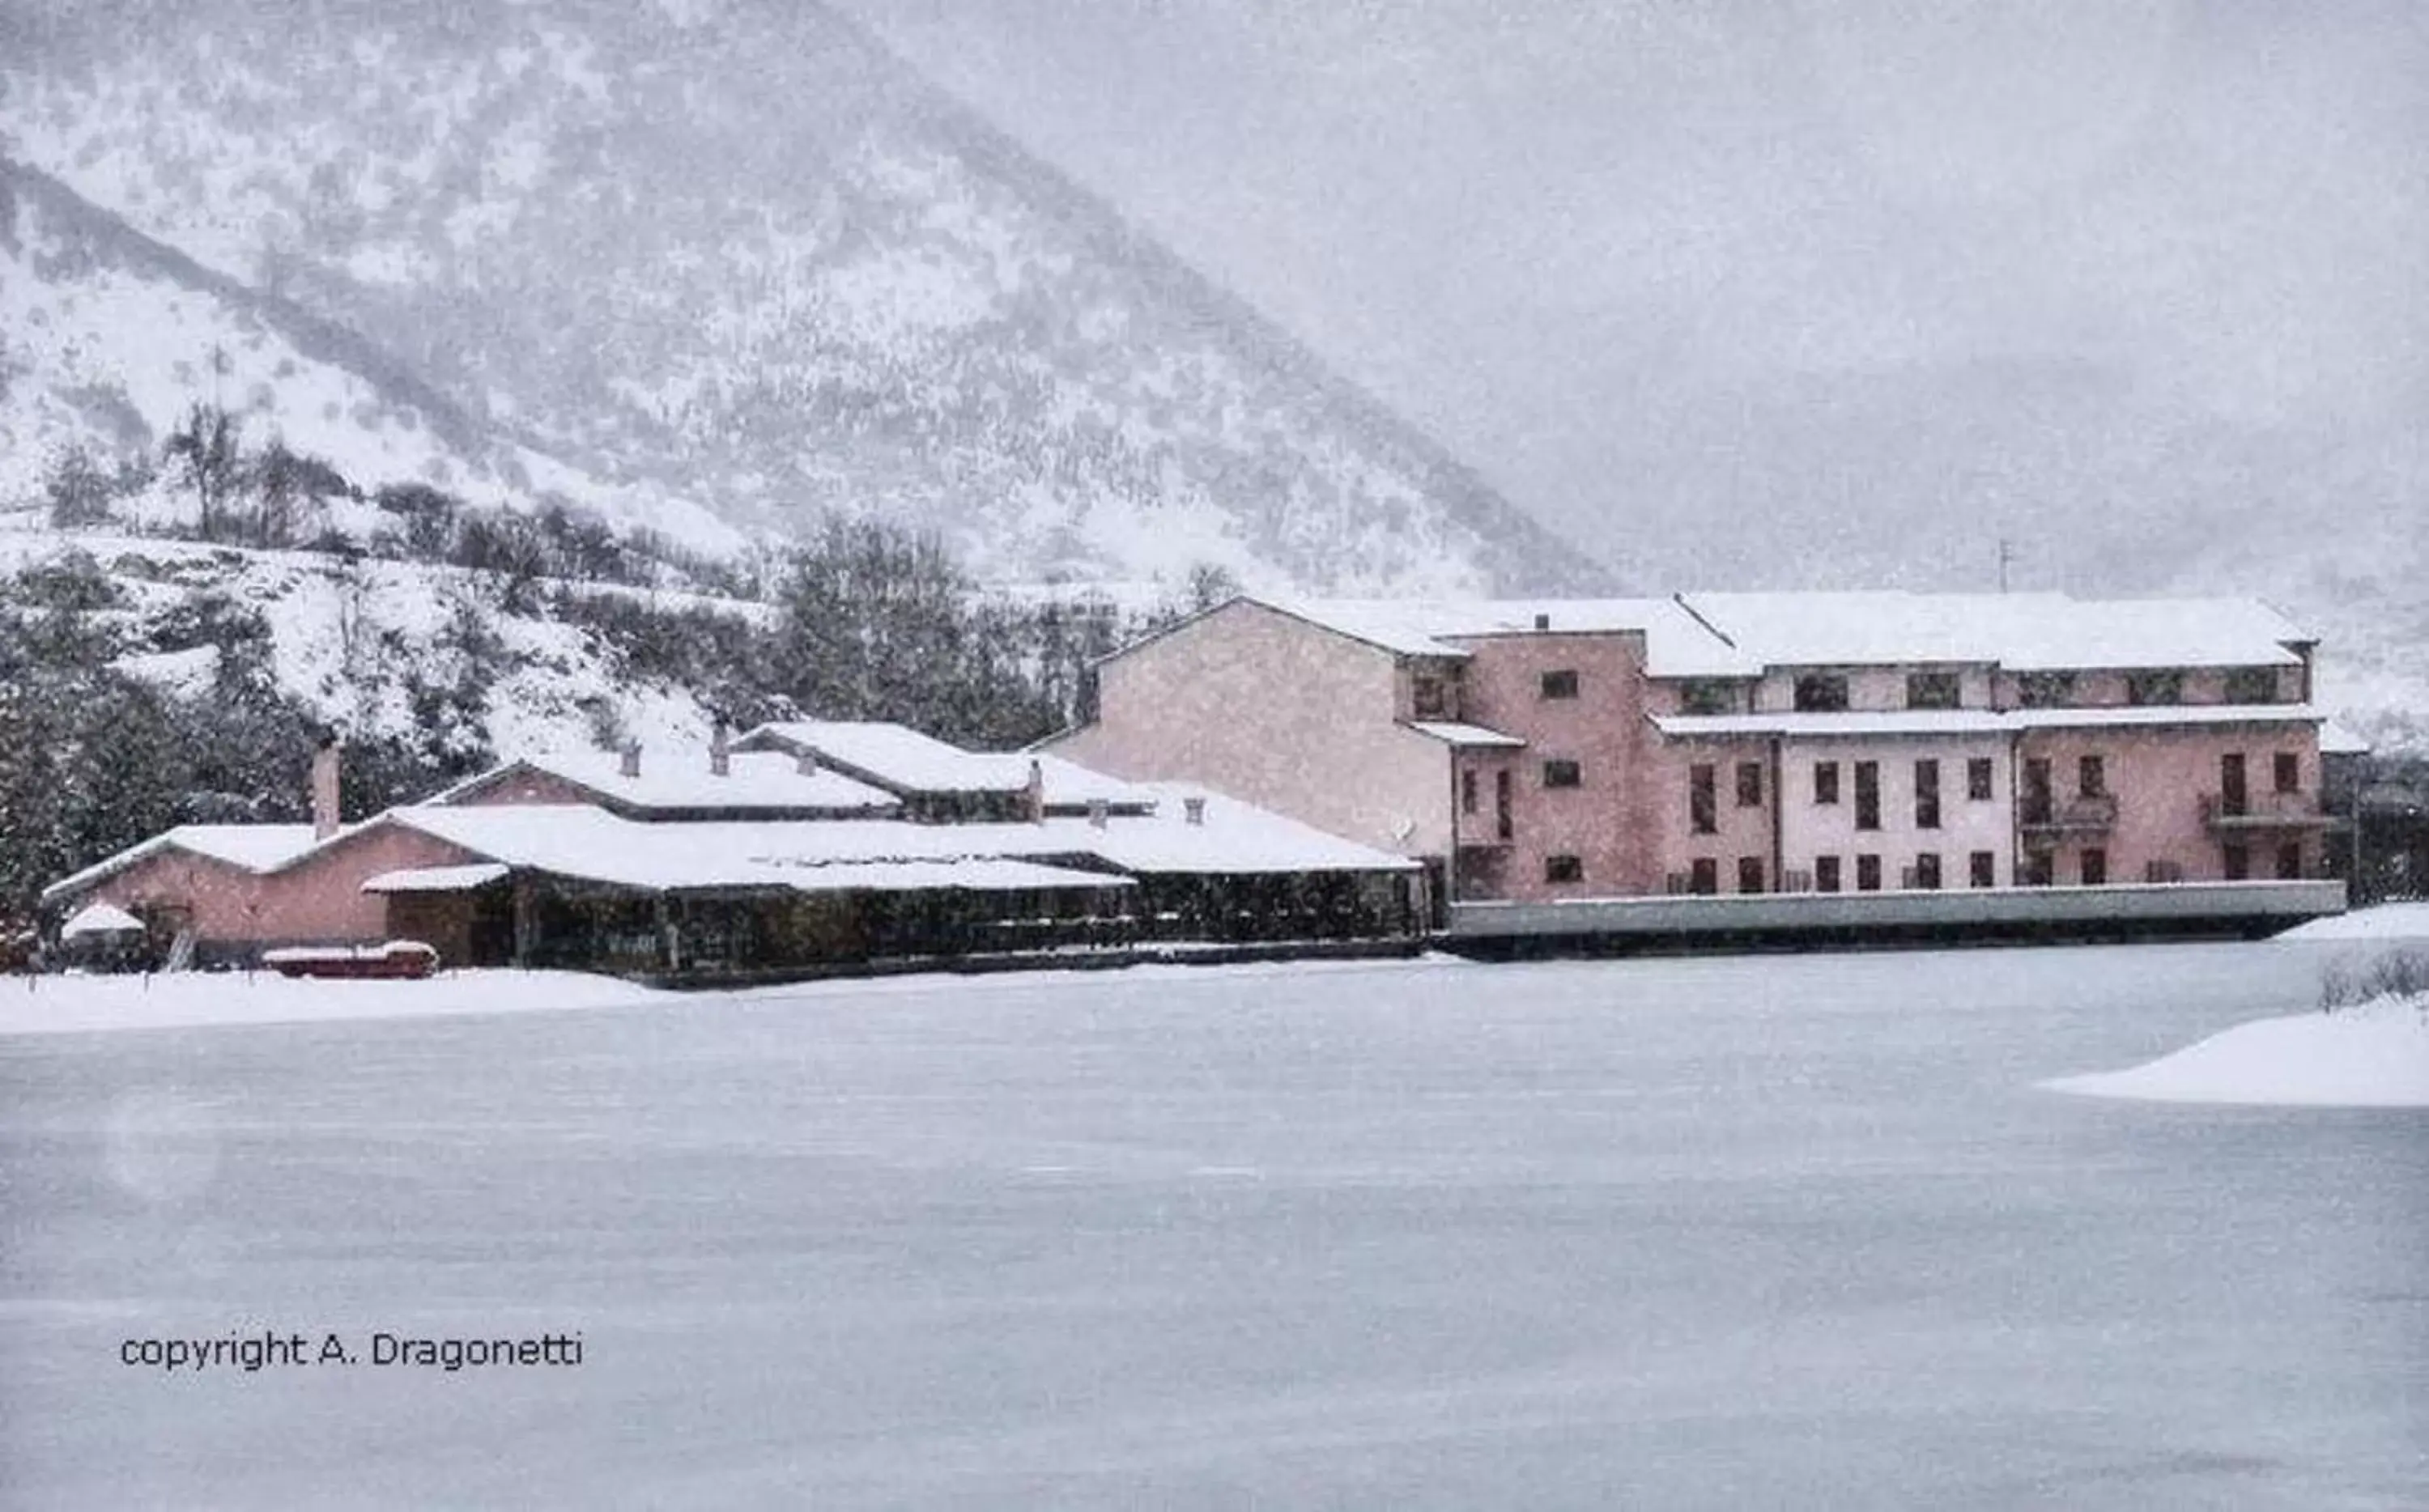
x=1771 y=1231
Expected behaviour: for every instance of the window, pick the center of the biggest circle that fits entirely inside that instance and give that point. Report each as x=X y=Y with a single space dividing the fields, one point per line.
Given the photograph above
x=2038 y=867
x=2035 y=803
x=1749 y=784
x=1707 y=695
x=1868 y=795
x=1926 y=795
x=1564 y=869
x=1826 y=874
x=2095 y=867
x=1560 y=684
x=1501 y=826
x=2239 y=862
x=1749 y=873
x=1868 y=874
x=1467 y=791
x=2091 y=776
x=1926 y=871
x=2288 y=772
x=2251 y=684
x=1932 y=690
x=2290 y=861
x=2045 y=690
x=2234 y=795
x=1703 y=806
x=2155 y=687
x=1982 y=869
x=1821 y=693
x=1825 y=781
x=1563 y=774
x=1429 y=698
x=1977 y=778
x=1704 y=876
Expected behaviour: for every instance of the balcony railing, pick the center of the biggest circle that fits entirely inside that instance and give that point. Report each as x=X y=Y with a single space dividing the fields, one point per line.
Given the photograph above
x=2080 y=815
x=2264 y=811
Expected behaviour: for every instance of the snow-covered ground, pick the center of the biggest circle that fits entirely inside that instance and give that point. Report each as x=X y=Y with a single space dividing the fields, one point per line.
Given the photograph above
x=2373 y=1054
x=68 y=1005
x=1774 y=1231
x=2383 y=921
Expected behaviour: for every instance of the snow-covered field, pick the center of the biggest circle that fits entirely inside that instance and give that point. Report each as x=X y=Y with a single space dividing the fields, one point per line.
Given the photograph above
x=2371 y=1055
x=1772 y=1231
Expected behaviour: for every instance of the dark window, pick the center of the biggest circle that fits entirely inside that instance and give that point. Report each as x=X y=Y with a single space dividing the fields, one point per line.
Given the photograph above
x=1821 y=693
x=1703 y=805
x=2238 y=863
x=1868 y=874
x=2251 y=684
x=1926 y=871
x=1931 y=690
x=1563 y=774
x=1825 y=781
x=2290 y=860
x=1704 y=875
x=1749 y=784
x=1982 y=869
x=1926 y=795
x=2155 y=687
x=1978 y=776
x=2095 y=867
x=2233 y=796
x=1749 y=873
x=1704 y=695
x=1560 y=684
x=2045 y=690
x=2039 y=867
x=1868 y=795
x=1501 y=826
x=1826 y=874
x=1429 y=696
x=2091 y=776
x=1467 y=791
x=1564 y=869
x=2035 y=801
x=2288 y=772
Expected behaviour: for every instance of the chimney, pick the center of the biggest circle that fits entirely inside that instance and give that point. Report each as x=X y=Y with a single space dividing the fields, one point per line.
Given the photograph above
x=1543 y=621
x=720 y=751
x=1033 y=797
x=631 y=764
x=1097 y=811
x=1194 y=810
x=324 y=787
x=805 y=762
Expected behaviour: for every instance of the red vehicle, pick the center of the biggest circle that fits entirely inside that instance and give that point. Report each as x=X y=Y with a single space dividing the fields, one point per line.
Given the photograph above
x=396 y=959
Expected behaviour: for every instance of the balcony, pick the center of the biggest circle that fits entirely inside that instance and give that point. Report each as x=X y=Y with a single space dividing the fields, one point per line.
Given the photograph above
x=2263 y=810
x=2089 y=815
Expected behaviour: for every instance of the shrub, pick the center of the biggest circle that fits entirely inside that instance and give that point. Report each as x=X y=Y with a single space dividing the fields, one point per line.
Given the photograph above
x=2403 y=973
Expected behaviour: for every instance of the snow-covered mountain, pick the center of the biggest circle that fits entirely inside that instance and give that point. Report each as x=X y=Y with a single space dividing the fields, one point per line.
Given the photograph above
x=653 y=256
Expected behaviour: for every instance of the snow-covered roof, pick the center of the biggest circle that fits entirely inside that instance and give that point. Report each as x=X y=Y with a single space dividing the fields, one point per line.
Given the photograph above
x=904 y=761
x=2023 y=631
x=1850 y=723
x=1459 y=734
x=1978 y=721
x=982 y=873
x=1234 y=837
x=2336 y=738
x=437 y=878
x=1432 y=627
x=681 y=780
x=100 y=918
x=254 y=847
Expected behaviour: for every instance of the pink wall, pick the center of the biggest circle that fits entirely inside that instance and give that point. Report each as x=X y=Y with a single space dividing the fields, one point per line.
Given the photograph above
x=1271 y=710
x=524 y=785
x=2159 y=778
x=1604 y=820
x=319 y=900
x=1741 y=830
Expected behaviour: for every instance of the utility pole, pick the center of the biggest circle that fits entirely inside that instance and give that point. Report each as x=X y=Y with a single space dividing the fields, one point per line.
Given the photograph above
x=2007 y=555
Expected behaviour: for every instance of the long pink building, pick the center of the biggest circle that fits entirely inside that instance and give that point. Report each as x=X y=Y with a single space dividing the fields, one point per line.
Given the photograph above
x=1747 y=744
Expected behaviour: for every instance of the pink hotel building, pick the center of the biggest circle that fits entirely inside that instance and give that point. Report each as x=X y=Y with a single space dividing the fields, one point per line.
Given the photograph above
x=1748 y=743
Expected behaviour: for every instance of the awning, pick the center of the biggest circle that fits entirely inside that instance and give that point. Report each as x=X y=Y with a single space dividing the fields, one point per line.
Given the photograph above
x=437 y=878
x=101 y=918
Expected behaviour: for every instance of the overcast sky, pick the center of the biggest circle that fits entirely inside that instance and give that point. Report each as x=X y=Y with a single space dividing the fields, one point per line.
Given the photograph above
x=1643 y=262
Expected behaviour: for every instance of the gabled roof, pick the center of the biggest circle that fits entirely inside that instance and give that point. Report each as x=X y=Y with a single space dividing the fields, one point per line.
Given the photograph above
x=2021 y=631
x=253 y=848
x=681 y=783
x=904 y=761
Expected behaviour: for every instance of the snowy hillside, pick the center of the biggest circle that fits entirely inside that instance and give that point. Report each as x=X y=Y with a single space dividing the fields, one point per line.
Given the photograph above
x=731 y=252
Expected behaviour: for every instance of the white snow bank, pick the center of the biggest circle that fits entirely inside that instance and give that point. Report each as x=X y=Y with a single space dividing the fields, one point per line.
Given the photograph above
x=2384 y=921
x=2375 y=1055
x=71 y=1003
